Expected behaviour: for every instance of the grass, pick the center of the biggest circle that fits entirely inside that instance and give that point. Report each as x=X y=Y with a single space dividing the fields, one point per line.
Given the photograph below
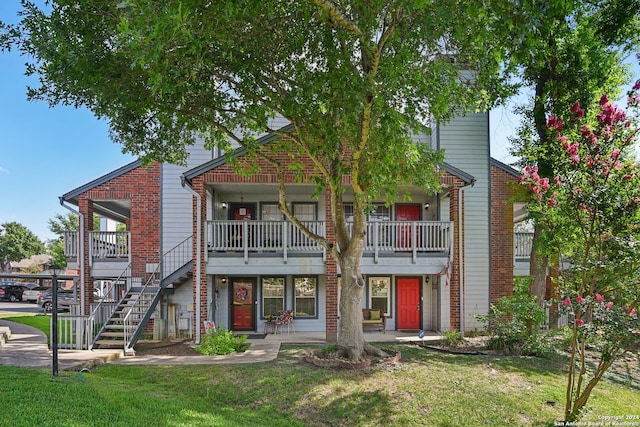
x=38 y=321
x=427 y=388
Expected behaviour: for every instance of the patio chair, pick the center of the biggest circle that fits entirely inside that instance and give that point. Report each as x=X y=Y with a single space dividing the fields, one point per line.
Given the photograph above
x=285 y=319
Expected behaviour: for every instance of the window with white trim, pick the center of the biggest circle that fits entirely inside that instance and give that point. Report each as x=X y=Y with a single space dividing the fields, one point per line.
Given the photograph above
x=270 y=212
x=272 y=296
x=306 y=296
x=379 y=294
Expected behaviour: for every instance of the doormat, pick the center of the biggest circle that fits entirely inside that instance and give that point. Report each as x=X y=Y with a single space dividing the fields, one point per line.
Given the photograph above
x=256 y=336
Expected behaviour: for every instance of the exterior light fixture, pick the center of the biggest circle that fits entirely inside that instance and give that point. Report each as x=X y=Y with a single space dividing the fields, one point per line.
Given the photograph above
x=224 y=205
x=426 y=206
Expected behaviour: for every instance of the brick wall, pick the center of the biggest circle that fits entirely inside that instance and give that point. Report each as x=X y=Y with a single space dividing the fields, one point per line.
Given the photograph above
x=331 y=285
x=502 y=190
x=141 y=187
x=454 y=282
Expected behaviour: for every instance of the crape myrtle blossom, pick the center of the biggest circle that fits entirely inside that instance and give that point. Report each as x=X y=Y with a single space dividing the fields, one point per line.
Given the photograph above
x=587 y=202
x=595 y=151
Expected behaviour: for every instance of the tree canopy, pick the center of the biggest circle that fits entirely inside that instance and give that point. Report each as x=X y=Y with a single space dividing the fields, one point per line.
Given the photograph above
x=16 y=243
x=572 y=52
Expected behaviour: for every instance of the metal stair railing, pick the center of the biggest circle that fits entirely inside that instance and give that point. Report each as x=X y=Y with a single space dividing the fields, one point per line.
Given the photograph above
x=177 y=257
x=103 y=311
x=140 y=311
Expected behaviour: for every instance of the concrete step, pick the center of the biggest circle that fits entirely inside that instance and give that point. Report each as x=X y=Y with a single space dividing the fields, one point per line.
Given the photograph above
x=109 y=343
x=112 y=334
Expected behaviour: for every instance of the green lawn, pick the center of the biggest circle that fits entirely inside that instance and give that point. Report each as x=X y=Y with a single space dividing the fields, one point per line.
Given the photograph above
x=38 y=321
x=427 y=388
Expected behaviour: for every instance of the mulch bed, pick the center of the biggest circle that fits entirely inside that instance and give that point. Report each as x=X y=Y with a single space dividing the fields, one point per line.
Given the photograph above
x=166 y=348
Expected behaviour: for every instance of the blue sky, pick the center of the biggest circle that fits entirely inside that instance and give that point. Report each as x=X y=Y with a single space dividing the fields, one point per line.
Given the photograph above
x=46 y=152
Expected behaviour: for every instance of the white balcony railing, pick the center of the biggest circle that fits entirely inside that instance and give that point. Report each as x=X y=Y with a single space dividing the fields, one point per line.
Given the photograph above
x=109 y=244
x=103 y=244
x=255 y=236
x=406 y=236
x=522 y=245
x=283 y=236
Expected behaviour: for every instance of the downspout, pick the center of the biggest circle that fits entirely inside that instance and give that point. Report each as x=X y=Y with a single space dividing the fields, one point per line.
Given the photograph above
x=460 y=252
x=80 y=252
x=188 y=187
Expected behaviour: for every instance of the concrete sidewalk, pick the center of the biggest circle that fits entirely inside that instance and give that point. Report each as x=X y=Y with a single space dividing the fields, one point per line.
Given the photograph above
x=27 y=347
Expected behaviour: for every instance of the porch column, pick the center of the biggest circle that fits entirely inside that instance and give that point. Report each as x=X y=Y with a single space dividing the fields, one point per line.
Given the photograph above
x=85 y=207
x=458 y=242
x=331 y=280
x=200 y=288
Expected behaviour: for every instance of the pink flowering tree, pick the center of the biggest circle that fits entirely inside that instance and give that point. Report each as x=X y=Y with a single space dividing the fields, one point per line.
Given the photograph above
x=591 y=210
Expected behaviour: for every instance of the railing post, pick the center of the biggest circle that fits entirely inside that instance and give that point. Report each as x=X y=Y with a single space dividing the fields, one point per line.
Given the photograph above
x=414 y=238
x=376 y=241
x=285 y=241
x=245 y=240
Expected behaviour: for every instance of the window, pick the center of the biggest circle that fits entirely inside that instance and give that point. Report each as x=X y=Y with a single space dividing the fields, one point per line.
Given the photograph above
x=379 y=290
x=271 y=228
x=304 y=211
x=379 y=230
x=377 y=212
x=272 y=296
x=270 y=212
x=306 y=291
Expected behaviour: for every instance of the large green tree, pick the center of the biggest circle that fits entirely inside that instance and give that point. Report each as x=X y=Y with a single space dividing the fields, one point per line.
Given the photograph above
x=356 y=79
x=17 y=242
x=570 y=51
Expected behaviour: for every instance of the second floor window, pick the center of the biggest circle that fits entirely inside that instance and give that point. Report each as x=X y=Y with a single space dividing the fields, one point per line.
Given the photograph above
x=270 y=212
x=378 y=212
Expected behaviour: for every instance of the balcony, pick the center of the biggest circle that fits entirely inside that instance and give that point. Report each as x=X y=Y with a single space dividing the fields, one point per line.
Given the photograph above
x=522 y=246
x=107 y=250
x=248 y=239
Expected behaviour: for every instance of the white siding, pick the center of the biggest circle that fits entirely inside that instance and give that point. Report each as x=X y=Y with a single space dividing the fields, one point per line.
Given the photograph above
x=177 y=213
x=466 y=141
x=183 y=300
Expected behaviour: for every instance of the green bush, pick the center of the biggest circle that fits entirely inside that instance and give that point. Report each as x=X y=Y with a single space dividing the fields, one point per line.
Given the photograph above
x=514 y=324
x=451 y=338
x=222 y=341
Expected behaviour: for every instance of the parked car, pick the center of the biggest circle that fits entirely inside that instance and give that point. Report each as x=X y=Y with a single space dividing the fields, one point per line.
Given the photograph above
x=65 y=299
x=27 y=285
x=33 y=294
x=11 y=292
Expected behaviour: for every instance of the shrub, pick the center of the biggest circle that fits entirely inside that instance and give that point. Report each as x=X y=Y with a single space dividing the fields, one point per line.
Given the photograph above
x=222 y=341
x=513 y=324
x=451 y=338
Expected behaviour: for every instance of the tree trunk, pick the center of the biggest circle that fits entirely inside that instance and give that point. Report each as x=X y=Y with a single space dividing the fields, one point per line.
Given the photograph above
x=350 y=333
x=538 y=270
x=351 y=342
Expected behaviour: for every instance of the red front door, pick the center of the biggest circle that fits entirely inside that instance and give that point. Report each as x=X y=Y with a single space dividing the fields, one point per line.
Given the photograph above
x=405 y=233
x=408 y=303
x=242 y=306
